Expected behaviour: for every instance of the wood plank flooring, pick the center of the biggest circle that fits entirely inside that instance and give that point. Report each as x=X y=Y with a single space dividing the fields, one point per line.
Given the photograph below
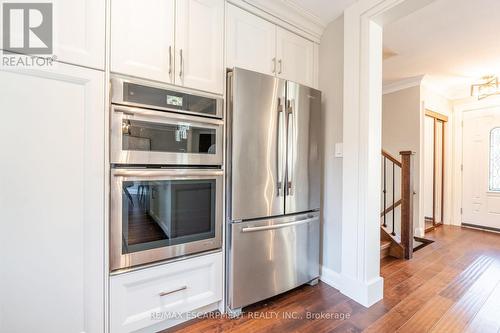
x=452 y=285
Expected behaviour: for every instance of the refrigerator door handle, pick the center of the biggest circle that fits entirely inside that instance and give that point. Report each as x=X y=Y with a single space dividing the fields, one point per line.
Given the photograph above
x=279 y=226
x=290 y=152
x=279 y=153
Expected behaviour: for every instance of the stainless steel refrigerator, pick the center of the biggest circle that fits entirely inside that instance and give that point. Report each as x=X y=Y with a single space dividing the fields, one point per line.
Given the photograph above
x=273 y=186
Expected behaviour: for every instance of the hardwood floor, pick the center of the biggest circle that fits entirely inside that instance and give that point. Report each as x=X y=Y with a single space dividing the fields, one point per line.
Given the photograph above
x=452 y=285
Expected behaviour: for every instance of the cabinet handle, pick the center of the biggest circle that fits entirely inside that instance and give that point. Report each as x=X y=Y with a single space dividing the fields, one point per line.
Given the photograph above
x=170 y=60
x=280 y=66
x=274 y=65
x=181 y=64
x=165 y=293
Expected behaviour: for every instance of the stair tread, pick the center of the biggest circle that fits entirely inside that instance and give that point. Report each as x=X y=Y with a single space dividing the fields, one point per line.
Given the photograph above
x=384 y=244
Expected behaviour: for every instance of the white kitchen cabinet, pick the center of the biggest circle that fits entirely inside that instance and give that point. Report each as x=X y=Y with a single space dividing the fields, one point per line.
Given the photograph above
x=256 y=44
x=142 y=41
x=52 y=139
x=200 y=44
x=250 y=41
x=295 y=56
x=142 y=38
x=155 y=298
x=79 y=32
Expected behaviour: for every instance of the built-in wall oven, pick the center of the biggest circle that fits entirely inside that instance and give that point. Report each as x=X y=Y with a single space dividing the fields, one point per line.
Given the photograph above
x=168 y=128
x=166 y=177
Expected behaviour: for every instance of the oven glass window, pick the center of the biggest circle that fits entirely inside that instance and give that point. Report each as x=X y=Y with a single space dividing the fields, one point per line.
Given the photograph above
x=156 y=137
x=167 y=212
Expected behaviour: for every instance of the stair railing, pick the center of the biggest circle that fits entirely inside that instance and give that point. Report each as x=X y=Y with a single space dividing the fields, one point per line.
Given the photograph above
x=405 y=202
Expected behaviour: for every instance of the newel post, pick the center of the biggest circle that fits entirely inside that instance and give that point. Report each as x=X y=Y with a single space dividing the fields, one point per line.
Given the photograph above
x=407 y=203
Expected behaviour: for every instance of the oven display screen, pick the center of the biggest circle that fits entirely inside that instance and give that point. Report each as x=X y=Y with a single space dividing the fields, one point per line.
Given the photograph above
x=174 y=100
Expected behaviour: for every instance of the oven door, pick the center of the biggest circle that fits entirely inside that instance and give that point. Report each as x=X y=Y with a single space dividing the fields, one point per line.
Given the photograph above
x=142 y=136
x=162 y=214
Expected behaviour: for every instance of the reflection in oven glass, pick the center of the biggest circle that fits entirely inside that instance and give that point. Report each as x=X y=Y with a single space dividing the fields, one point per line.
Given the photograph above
x=161 y=213
x=158 y=137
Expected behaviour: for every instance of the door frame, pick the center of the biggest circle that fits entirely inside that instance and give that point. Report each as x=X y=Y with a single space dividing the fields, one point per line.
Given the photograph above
x=467 y=105
x=437 y=117
x=362 y=135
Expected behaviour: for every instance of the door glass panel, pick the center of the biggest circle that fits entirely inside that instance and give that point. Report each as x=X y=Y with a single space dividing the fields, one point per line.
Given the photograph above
x=495 y=160
x=169 y=99
x=162 y=213
x=157 y=137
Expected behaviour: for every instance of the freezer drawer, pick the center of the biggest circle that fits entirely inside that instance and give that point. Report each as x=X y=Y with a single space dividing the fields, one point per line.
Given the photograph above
x=268 y=257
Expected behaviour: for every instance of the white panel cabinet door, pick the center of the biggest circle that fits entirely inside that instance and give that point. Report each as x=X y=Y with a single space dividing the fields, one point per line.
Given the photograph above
x=295 y=56
x=52 y=242
x=200 y=44
x=142 y=38
x=250 y=42
x=79 y=32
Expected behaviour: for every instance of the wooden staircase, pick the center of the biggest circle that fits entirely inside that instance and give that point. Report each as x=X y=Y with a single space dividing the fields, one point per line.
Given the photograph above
x=396 y=230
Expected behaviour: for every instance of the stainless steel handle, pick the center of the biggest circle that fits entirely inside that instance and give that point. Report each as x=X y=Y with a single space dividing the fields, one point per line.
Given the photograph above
x=181 y=65
x=289 y=172
x=279 y=161
x=274 y=65
x=163 y=117
x=279 y=226
x=170 y=60
x=280 y=62
x=165 y=293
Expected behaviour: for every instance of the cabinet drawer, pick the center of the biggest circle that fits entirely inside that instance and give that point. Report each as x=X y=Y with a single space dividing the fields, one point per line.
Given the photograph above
x=153 y=297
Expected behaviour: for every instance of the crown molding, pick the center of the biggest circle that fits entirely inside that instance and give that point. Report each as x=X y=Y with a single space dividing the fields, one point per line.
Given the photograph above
x=286 y=14
x=402 y=84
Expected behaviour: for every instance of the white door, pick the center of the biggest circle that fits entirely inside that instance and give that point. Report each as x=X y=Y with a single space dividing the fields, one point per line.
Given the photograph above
x=250 y=42
x=429 y=167
x=142 y=38
x=295 y=56
x=200 y=44
x=52 y=139
x=481 y=168
x=78 y=30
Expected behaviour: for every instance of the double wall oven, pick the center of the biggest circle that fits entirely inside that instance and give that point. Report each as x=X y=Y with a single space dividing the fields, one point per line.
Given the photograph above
x=166 y=176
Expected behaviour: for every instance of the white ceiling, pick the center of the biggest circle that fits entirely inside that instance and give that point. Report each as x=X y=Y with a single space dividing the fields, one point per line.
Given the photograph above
x=452 y=42
x=325 y=10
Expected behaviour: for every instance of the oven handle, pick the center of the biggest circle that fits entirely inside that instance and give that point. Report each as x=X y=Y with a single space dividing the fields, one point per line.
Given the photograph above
x=131 y=111
x=177 y=173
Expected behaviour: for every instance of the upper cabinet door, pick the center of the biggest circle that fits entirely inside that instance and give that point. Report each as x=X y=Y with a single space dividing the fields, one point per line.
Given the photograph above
x=295 y=56
x=79 y=32
x=142 y=38
x=250 y=41
x=200 y=44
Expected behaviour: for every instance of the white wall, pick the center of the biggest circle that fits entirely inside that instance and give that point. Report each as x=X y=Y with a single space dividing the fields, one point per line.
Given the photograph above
x=401 y=130
x=331 y=61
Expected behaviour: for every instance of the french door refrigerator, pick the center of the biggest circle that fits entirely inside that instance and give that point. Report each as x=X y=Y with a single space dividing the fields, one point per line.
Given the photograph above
x=273 y=186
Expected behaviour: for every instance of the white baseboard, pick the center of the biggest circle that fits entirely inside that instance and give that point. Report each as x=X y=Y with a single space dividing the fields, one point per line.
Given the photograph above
x=330 y=277
x=365 y=293
x=420 y=232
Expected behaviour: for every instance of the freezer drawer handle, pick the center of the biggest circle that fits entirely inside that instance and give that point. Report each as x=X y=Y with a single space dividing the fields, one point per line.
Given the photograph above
x=279 y=226
x=165 y=293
